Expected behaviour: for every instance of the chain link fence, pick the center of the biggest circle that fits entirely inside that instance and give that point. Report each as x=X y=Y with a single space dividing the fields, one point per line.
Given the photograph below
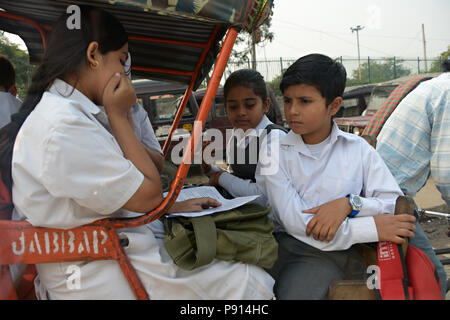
x=363 y=71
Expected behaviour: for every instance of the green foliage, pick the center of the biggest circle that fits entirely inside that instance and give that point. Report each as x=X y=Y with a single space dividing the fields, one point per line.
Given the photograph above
x=376 y=72
x=275 y=85
x=436 y=65
x=20 y=61
x=241 y=53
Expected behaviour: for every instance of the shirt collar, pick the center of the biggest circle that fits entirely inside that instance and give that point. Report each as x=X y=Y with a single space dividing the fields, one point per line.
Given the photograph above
x=255 y=132
x=264 y=123
x=296 y=140
x=66 y=91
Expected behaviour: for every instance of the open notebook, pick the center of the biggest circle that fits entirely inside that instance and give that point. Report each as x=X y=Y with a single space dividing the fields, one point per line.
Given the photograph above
x=210 y=192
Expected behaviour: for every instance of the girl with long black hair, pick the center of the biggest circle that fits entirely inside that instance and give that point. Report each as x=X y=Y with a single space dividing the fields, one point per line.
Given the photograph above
x=68 y=170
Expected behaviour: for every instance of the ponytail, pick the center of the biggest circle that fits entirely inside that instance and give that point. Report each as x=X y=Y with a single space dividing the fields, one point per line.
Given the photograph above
x=40 y=82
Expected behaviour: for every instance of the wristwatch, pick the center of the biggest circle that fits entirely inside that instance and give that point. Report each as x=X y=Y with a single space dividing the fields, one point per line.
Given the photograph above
x=355 y=203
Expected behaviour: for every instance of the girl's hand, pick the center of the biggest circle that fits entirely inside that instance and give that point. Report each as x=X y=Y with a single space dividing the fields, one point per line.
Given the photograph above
x=194 y=205
x=119 y=96
x=206 y=167
x=130 y=118
x=395 y=228
x=328 y=218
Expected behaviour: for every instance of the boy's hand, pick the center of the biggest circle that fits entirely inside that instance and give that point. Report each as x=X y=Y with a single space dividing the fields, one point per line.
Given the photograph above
x=194 y=205
x=328 y=217
x=395 y=228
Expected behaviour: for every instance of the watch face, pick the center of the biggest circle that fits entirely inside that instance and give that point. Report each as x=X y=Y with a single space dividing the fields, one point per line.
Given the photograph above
x=357 y=201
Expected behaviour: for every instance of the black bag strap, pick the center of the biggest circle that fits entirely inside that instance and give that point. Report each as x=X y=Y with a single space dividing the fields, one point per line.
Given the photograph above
x=272 y=126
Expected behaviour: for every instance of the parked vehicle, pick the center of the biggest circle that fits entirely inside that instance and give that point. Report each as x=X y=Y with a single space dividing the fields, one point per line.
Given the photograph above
x=356 y=99
x=161 y=100
x=378 y=98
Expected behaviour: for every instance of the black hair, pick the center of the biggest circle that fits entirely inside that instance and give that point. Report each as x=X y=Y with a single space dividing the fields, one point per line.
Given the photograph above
x=65 y=56
x=247 y=78
x=322 y=72
x=7 y=73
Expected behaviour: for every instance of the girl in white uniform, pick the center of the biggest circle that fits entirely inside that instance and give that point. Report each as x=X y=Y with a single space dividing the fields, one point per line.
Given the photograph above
x=69 y=170
x=246 y=102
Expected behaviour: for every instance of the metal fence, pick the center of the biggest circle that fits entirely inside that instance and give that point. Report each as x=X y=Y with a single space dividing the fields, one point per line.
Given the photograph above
x=372 y=69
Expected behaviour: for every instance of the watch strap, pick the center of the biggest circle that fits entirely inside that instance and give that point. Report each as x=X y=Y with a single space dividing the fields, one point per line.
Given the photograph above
x=354 y=212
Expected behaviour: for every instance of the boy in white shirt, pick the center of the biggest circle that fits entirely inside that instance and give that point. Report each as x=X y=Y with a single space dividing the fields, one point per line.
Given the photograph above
x=332 y=189
x=9 y=104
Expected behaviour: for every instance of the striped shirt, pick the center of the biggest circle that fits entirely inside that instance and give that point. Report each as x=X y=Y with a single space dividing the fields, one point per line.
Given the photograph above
x=415 y=141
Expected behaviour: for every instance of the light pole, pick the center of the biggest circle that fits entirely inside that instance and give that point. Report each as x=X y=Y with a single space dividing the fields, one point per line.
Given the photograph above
x=357 y=29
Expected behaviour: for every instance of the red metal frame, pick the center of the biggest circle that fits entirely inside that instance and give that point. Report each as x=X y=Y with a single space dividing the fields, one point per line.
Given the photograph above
x=29 y=21
x=176 y=42
x=165 y=71
x=23 y=243
x=14 y=233
x=183 y=104
x=193 y=143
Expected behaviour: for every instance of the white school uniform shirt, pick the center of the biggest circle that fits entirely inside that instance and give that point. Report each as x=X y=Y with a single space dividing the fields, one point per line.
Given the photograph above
x=68 y=170
x=8 y=106
x=236 y=186
x=346 y=165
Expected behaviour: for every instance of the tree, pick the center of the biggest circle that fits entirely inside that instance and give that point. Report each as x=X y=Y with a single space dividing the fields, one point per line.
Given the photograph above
x=436 y=66
x=390 y=68
x=20 y=61
x=275 y=84
x=248 y=42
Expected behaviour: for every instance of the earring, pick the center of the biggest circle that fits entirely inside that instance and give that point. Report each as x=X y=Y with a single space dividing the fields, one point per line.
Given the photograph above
x=94 y=65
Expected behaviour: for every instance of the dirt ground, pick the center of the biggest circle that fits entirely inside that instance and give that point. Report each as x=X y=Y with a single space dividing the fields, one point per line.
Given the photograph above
x=430 y=199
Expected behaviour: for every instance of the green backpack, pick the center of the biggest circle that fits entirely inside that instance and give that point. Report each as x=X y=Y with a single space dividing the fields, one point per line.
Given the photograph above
x=243 y=234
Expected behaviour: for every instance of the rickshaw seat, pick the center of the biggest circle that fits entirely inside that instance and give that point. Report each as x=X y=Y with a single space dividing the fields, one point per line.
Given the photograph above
x=358 y=289
x=22 y=243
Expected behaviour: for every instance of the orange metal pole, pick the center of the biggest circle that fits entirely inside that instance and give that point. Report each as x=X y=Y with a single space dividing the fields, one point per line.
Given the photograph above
x=194 y=141
x=188 y=92
x=128 y=269
x=217 y=74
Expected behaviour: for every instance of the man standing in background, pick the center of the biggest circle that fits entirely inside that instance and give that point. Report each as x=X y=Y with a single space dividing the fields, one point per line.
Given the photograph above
x=9 y=104
x=415 y=143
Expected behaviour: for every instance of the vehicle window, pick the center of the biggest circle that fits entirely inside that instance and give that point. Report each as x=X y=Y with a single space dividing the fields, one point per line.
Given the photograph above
x=220 y=108
x=366 y=99
x=348 y=103
x=165 y=107
x=379 y=96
